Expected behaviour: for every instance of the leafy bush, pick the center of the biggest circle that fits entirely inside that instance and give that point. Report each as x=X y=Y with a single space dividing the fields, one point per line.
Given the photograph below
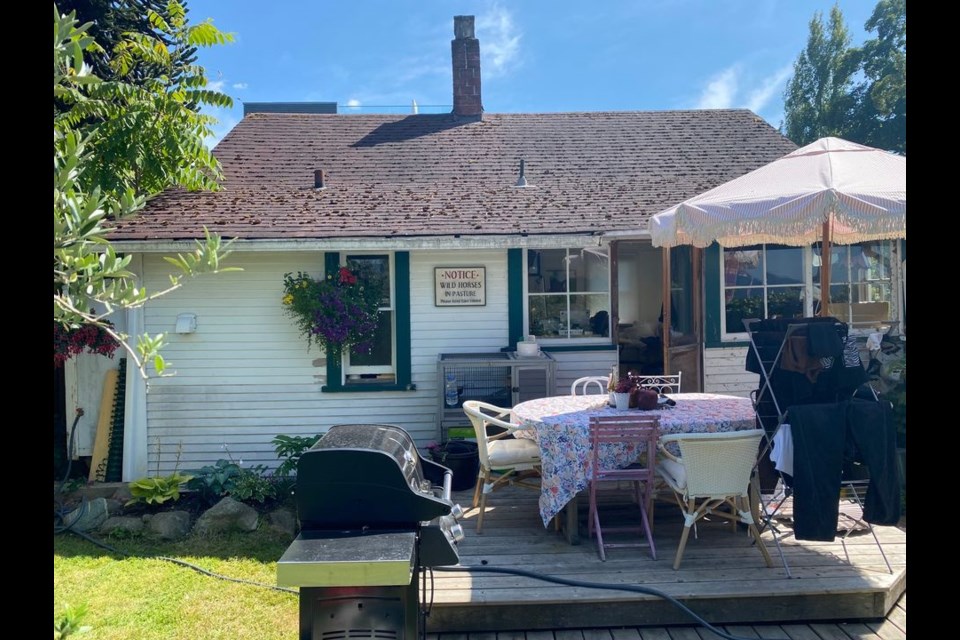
x=212 y=482
x=253 y=485
x=289 y=449
x=159 y=489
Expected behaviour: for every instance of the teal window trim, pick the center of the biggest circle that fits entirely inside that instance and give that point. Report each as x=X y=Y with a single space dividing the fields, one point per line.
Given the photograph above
x=404 y=371
x=366 y=388
x=578 y=347
x=516 y=275
x=711 y=286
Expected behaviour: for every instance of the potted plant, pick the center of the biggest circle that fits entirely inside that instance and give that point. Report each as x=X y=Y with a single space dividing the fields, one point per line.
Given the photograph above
x=621 y=392
x=461 y=457
x=341 y=311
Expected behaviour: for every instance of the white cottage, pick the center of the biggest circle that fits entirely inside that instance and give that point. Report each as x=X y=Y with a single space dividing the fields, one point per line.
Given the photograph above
x=547 y=211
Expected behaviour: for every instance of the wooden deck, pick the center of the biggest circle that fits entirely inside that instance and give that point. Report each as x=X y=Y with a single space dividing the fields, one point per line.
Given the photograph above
x=893 y=627
x=722 y=579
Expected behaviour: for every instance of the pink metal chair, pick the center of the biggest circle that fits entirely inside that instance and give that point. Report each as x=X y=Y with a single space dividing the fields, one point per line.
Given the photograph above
x=639 y=432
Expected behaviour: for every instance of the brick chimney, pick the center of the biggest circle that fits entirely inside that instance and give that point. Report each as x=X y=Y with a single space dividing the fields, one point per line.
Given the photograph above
x=466 y=69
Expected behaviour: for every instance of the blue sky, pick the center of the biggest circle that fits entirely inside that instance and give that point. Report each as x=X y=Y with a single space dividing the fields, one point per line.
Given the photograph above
x=536 y=55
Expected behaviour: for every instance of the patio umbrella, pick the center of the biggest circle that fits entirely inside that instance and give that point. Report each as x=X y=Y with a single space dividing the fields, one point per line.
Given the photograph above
x=832 y=191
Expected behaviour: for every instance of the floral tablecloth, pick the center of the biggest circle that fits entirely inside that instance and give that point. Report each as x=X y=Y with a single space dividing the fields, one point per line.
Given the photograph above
x=561 y=426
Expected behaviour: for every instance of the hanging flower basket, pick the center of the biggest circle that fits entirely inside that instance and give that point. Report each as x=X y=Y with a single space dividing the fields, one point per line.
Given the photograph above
x=340 y=312
x=70 y=341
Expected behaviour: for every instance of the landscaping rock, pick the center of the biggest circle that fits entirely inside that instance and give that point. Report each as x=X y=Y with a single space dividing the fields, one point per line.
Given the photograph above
x=169 y=525
x=126 y=524
x=114 y=506
x=88 y=516
x=284 y=521
x=123 y=494
x=227 y=515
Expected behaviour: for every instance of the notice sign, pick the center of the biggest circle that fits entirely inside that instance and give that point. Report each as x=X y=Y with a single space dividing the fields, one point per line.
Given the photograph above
x=461 y=286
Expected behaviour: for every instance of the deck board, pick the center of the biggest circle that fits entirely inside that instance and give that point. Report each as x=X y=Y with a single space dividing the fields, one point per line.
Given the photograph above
x=722 y=577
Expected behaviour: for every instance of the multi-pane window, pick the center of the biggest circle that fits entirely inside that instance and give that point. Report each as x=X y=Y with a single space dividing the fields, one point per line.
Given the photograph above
x=568 y=293
x=774 y=281
x=380 y=363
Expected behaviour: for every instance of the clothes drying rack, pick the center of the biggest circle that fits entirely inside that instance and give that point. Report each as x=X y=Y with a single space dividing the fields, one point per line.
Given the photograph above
x=771 y=417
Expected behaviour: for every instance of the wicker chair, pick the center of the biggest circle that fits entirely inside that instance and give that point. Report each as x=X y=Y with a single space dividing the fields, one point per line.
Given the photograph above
x=712 y=472
x=660 y=384
x=639 y=432
x=503 y=460
x=581 y=386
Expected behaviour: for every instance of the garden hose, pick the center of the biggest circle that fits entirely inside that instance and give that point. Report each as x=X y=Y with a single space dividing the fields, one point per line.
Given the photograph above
x=597 y=585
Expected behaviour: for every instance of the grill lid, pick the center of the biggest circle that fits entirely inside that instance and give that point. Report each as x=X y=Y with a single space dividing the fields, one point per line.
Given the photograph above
x=366 y=476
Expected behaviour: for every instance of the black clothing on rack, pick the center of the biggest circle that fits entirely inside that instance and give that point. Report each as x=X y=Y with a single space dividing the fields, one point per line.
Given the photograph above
x=824 y=435
x=839 y=375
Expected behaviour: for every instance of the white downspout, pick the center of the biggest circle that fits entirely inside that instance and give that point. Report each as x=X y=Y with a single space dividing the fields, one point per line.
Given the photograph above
x=135 y=401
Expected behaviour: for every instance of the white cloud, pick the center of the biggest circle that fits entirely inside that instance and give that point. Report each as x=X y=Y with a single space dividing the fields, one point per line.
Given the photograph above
x=240 y=85
x=216 y=85
x=770 y=86
x=721 y=91
x=499 y=41
x=353 y=102
x=736 y=88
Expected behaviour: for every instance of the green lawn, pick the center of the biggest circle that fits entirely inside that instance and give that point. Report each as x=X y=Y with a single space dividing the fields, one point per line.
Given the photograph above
x=145 y=598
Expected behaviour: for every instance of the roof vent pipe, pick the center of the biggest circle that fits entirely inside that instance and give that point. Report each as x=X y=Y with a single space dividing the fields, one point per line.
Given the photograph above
x=318 y=179
x=521 y=181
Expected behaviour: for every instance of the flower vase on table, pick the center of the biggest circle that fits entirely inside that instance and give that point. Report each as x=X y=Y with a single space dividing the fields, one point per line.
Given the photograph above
x=622 y=393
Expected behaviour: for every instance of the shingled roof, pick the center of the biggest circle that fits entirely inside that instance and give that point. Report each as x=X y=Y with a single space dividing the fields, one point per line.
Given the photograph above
x=437 y=175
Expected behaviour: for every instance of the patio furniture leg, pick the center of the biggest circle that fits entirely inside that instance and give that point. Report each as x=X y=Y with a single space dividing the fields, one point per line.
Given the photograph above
x=595 y=527
x=483 y=509
x=751 y=525
x=683 y=543
x=481 y=480
x=571 y=525
x=648 y=530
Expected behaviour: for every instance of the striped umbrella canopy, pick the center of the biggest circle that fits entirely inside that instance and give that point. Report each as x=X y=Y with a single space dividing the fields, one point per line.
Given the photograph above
x=832 y=191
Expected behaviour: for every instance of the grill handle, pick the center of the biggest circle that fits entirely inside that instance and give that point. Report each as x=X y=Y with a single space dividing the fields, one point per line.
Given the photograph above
x=447 y=483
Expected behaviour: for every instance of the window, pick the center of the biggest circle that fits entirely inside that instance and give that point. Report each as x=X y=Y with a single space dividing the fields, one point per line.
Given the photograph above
x=379 y=364
x=388 y=365
x=568 y=294
x=774 y=281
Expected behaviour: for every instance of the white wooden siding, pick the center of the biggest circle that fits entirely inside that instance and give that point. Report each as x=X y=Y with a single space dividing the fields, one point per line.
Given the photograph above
x=724 y=372
x=246 y=376
x=577 y=364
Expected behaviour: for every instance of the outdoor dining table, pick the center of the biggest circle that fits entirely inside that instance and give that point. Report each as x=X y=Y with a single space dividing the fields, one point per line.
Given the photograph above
x=561 y=427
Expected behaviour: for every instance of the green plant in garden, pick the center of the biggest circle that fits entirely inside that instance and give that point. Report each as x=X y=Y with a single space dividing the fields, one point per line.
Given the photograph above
x=158 y=489
x=253 y=485
x=69 y=622
x=289 y=449
x=214 y=481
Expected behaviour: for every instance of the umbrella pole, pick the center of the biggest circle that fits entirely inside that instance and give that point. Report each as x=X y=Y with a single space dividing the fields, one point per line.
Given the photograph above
x=825 y=266
x=667 y=298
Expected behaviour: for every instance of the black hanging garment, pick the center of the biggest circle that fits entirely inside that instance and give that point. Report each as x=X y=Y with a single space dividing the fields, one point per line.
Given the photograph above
x=824 y=435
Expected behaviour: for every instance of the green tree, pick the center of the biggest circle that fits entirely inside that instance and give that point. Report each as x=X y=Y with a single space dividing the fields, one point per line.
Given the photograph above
x=855 y=93
x=117 y=143
x=111 y=21
x=883 y=93
x=820 y=97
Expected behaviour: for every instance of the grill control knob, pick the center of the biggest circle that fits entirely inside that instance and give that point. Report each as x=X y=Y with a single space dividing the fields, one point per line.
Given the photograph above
x=456 y=511
x=457 y=532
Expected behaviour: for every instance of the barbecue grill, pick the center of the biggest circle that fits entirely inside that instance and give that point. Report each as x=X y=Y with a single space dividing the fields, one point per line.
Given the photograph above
x=373 y=515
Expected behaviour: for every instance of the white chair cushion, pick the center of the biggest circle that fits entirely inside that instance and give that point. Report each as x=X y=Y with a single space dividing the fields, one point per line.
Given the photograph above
x=673 y=472
x=509 y=453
